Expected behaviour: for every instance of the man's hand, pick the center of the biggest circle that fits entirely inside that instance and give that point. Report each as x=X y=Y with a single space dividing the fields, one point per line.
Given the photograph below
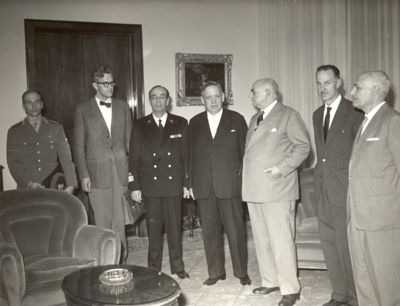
x=186 y=193
x=274 y=171
x=136 y=195
x=191 y=193
x=35 y=185
x=85 y=183
x=69 y=189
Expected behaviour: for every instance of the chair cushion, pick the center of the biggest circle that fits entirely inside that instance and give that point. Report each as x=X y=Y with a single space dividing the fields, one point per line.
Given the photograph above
x=41 y=270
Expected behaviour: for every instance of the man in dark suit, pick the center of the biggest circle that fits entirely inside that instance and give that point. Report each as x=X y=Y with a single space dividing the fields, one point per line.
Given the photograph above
x=336 y=124
x=158 y=164
x=102 y=132
x=373 y=201
x=216 y=148
x=276 y=144
x=37 y=147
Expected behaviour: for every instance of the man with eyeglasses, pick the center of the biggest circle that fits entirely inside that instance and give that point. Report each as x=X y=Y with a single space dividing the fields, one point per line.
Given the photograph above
x=37 y=147
x=158 y=164
x=102 y=132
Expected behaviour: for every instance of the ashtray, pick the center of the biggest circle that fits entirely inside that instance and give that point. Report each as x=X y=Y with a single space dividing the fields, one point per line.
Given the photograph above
x=115 y=277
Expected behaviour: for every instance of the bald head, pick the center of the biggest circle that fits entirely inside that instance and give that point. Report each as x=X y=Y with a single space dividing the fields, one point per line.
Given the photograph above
x=370 y=89
x=264 y=92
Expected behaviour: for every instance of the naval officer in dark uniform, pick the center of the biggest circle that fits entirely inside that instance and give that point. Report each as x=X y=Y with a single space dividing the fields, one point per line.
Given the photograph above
x=37 y=146
x=158 y=163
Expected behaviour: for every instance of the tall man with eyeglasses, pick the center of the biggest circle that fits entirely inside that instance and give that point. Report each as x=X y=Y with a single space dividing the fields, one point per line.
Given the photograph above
x=37 y=146
x=158 y=164
x=102 y=132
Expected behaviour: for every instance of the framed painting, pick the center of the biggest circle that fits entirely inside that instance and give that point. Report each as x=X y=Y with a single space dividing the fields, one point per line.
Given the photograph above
x=194 y=70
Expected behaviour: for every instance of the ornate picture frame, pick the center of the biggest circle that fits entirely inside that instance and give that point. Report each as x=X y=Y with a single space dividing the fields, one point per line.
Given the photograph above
x=193 y=70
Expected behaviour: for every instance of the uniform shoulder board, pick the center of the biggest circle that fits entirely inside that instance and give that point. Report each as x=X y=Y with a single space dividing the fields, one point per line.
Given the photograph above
x=18 y=124
x=53 y=122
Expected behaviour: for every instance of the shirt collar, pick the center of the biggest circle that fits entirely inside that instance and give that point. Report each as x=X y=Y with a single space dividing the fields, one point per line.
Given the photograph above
x=216 y=116
x=335 y=104
x=373 y=111
x=163 y=118
x=268 y=109
x=108 y=100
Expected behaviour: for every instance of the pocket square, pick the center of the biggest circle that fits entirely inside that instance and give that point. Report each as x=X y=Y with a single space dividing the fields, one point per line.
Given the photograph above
x=233 y=131
x=373 y=139
x=274 y=130
x=175 y=136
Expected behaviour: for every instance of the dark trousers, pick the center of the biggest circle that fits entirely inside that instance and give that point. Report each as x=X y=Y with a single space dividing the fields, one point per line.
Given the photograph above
x=333 y=233
x=218 y=215
x=163 y=214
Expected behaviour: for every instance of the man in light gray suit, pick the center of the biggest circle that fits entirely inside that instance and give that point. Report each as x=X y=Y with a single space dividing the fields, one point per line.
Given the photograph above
x=373 y=201
x=277 y=143
x=102 y=130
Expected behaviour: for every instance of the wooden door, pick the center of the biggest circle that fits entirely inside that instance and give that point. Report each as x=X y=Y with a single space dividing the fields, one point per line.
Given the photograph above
x=61 y=57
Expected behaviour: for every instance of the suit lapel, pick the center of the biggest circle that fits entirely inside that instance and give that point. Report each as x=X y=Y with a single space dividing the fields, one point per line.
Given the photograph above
x=318 y=123
x=114 y=116
x=224 y=124
x=264 y=127
x=168 y=128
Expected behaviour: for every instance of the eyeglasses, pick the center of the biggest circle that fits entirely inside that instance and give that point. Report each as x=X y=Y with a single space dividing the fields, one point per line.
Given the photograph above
x=30 y=103
x=162 y=98
x=107 y=84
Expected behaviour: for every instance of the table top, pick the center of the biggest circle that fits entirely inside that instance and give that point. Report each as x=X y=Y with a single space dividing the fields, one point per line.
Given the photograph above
x=147 y=287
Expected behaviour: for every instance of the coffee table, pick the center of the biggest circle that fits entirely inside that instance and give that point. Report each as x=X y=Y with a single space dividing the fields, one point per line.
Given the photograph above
x=83 y=288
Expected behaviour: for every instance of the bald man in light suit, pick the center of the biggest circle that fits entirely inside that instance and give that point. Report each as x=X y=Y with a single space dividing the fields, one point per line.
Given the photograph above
x=277 y=143
x=373 y=201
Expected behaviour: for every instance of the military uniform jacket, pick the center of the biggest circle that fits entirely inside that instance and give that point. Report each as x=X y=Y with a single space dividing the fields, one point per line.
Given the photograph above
x=158 y=163
x=95 y=148
x=215 y=164
x=32 y=156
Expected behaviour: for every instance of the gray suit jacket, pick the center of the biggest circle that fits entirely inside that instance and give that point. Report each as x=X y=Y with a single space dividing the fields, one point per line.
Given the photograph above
x=280 y=140
x=373 y=200
x=95 y=148
x=333 y=155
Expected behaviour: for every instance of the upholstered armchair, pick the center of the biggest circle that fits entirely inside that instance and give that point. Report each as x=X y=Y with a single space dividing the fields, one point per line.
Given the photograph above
x=43 y=237
x=308 y=242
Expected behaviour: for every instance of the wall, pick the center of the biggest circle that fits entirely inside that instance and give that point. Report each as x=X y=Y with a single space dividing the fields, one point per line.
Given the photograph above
x=169 y=26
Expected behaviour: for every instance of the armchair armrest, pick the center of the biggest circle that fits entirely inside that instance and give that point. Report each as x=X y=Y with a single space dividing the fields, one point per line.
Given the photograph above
x=96 y=242
x=12 y=275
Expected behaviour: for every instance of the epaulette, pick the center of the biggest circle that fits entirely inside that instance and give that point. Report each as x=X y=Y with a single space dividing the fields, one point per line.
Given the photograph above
x=53 y=122
x=21 y=123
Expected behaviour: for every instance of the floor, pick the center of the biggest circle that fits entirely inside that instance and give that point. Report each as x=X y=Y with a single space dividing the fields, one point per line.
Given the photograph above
x=315 y=286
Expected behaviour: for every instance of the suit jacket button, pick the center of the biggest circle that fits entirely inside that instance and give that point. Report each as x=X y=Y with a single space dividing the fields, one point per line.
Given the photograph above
x=155 y=166
x=154 y=154
x=169 y=153
x=155 y=178
x=323 y=160
x=169 y=166
x=170 y=177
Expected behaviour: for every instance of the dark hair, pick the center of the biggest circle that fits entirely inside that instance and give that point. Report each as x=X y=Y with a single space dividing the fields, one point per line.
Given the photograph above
x=333 y=68
x=209 y=84
x=158 y=86
x=100 y=72
x=29 y=91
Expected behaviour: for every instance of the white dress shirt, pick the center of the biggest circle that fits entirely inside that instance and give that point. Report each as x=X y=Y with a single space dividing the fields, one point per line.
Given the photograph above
x=213 y=121
x=268 y=109
x=106 y=112
x=334 y=106
x=163 y=119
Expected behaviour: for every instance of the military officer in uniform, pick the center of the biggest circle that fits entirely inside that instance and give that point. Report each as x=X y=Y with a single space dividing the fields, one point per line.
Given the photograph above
x=158 y=166
x=37 y=146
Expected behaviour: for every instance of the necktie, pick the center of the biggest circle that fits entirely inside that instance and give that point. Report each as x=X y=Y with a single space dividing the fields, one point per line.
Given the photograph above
x=105 y=104
x=260 y=117
x=35 y=126
x=160 y=126
x=326 y=121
